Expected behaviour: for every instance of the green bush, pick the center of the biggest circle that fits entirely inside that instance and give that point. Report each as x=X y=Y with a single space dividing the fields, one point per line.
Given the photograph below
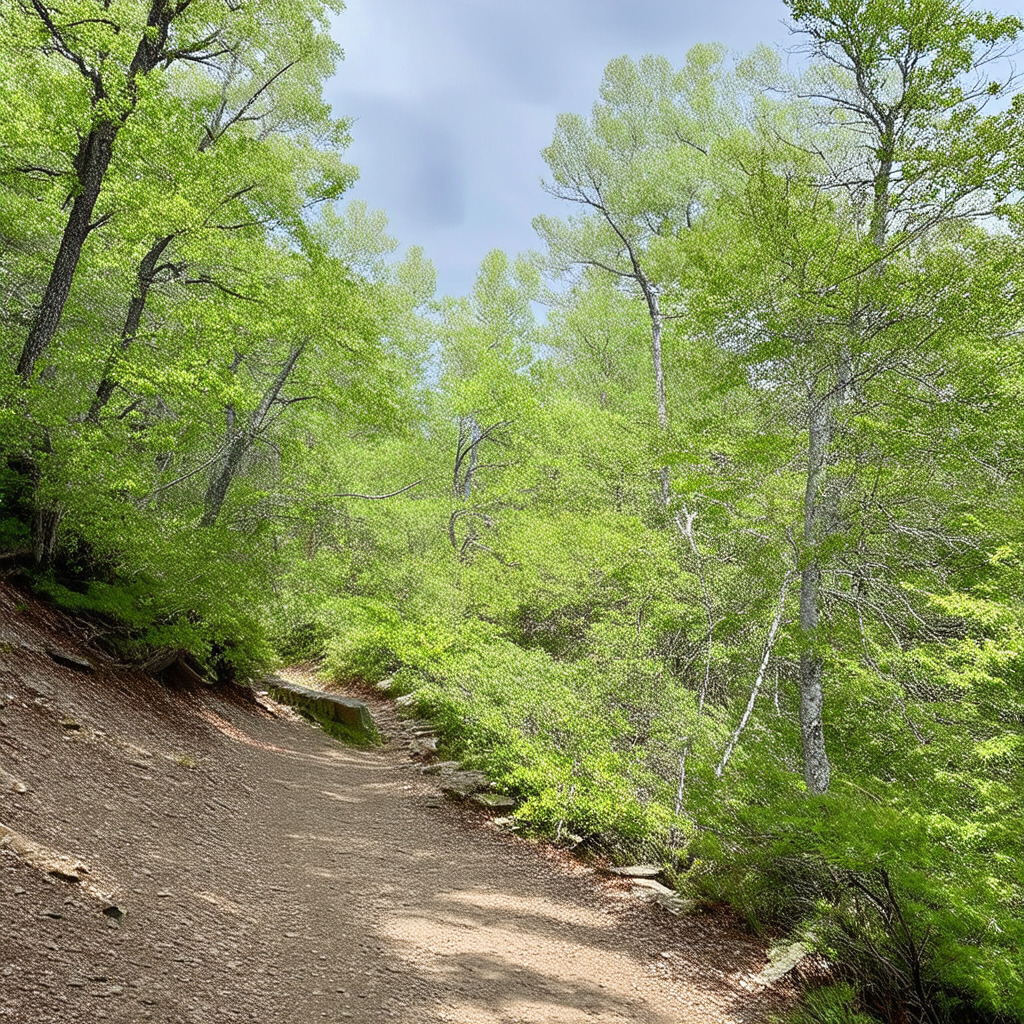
x=527 y=720
x=830 y=1004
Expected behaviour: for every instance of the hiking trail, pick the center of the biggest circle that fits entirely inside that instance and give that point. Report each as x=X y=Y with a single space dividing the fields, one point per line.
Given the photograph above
x=267 y=873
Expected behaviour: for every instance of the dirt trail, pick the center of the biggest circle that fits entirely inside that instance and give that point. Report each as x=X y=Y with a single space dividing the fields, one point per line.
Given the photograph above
x=271 y=874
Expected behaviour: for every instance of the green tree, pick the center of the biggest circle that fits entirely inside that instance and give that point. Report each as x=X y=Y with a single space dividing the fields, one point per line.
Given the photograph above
x=189 y=188
x=895 y=78
x=640 y=169
x=110 y=53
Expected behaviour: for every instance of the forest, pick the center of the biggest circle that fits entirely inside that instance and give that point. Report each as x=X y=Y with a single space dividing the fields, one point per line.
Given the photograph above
x=698 y=528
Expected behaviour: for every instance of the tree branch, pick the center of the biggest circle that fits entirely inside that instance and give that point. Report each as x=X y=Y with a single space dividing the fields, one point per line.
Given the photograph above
x=376 y=497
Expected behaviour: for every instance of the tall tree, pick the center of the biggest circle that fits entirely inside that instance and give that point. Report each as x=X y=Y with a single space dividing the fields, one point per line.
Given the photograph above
x=895 y=77
x=112 y=51
x=639 y=171
x=194 y=187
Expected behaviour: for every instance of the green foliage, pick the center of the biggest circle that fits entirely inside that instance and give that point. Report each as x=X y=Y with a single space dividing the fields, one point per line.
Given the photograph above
x=524 y=718
x=830 y=1004
x=772 y=420
x=161 y=461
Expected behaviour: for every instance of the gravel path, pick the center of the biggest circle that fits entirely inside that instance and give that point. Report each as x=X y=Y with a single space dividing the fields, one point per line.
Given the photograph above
x=270 y=874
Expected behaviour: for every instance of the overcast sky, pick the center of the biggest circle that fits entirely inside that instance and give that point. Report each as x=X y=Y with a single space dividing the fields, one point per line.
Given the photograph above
x=454 y=99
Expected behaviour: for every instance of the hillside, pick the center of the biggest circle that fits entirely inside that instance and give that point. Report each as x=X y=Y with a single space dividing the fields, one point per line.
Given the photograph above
x=266 y=872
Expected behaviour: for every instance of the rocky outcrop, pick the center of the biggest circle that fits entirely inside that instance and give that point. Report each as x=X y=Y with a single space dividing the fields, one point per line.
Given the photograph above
x=494 y=801
x=462 y=784
x=342 y=716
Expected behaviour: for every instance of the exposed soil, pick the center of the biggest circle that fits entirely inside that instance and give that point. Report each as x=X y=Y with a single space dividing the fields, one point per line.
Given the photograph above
x=268 y=873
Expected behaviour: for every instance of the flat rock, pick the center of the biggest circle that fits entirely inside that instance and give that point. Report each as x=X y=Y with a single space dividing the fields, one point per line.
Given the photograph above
x=636 y=871
x=69 y=658
x=12 y=783
x=493 y=801
x=665 y=897
x=463 y=784
x=652 y=886
x=441 y=768
x=781 y=960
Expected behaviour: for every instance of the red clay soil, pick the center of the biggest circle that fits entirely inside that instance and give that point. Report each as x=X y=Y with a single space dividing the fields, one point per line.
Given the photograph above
x=268 y=873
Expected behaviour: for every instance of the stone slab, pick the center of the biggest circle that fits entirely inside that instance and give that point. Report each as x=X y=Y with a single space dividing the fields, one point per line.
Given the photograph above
x=345 y=710
x=493 y=801
x=652 y=886
x=666 y=897
x=462 y=784
x=781 y=960
x=69 y=658
x=637 y=871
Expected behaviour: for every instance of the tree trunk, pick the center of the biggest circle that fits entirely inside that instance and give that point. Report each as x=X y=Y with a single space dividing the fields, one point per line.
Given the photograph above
x=144 y=278
x=659 y=372
x=239 y=442
x=470 y=437
x=820 y=505
x=94 y=155
x=879 y=226
x=657 y=321
x=45 y=524
x=812 y=735
x=217 y=491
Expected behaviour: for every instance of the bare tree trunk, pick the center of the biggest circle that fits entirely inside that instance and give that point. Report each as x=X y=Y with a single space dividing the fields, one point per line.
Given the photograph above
x=240 y=441
x=769 y=646
x=143 y=279
x=91 y=163
x=657 y=322
x=812 y=736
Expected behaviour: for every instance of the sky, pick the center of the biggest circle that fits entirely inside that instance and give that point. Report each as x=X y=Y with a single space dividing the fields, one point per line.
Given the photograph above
x=453 y=101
